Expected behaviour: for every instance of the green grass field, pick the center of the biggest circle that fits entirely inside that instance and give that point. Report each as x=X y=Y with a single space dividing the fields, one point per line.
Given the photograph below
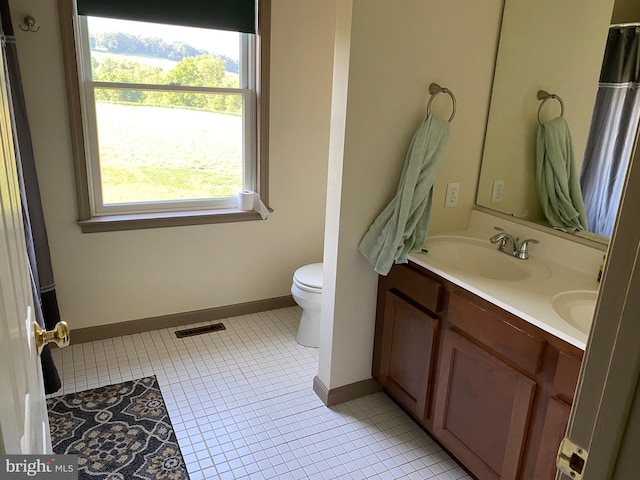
x=154 y=154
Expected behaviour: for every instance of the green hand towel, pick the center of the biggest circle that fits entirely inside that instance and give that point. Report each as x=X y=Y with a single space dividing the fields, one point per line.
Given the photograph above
x=402 y=226
x=557 y=181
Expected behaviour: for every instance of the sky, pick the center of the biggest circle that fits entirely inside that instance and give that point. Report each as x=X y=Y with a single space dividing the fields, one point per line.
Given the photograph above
x=218 y=41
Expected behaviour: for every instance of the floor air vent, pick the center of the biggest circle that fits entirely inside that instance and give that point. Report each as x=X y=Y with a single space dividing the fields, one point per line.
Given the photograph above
x=190 y=332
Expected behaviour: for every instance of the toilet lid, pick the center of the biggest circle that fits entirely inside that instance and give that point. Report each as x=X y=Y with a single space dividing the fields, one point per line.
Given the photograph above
x=309 y=275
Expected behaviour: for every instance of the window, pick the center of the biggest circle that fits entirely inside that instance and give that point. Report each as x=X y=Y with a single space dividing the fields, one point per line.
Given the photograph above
x=168 y=120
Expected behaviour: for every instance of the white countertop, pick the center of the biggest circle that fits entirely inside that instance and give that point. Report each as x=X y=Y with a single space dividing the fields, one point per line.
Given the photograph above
x=530 y=298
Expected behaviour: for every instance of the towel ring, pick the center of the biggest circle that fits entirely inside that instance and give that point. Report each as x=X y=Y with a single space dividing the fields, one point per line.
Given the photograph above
x=544 y=96
x=435 y=89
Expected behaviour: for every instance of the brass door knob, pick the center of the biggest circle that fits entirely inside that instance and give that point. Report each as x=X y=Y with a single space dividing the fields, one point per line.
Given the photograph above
x=59 y=335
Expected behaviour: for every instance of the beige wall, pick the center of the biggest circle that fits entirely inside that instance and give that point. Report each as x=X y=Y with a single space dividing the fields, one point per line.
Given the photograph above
x=626 y=11
x=104 y=278
x=388 y=53
x=548 y=45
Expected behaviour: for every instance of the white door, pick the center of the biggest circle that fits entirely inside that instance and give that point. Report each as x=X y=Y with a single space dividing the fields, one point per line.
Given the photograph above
x=24 y=426
x=605 y=419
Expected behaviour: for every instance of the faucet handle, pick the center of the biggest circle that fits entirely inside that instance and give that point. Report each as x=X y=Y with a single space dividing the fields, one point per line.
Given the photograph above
x=500 y=238
x=529 y=240
x=523 y=251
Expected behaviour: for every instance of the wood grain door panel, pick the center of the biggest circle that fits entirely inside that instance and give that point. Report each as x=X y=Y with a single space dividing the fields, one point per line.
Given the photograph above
x=407 y=354
x=553 y=431
x=482 y=408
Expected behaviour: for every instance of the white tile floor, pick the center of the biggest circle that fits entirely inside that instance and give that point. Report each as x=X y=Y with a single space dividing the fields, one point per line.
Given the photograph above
x=242 y=405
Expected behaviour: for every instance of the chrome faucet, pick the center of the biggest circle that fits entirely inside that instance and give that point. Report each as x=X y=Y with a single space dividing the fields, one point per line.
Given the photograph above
x=523 y=249
x=508 y=244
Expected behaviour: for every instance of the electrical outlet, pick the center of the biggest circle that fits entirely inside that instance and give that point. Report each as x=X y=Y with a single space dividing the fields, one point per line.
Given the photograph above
x=453 y=190
x=497 y=193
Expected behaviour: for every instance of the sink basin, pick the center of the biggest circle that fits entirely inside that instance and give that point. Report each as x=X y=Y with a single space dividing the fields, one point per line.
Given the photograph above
x=576 y=307
x=477 y=257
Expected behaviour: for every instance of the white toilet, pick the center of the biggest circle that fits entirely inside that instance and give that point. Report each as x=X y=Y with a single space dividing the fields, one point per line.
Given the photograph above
x=307 y=292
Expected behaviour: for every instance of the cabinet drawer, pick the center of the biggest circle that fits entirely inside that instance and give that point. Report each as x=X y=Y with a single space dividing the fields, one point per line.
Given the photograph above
x=419 y=287
x=497 y=332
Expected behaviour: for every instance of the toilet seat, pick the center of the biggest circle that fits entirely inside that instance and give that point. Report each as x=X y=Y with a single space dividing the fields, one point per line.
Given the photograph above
x=309 y=278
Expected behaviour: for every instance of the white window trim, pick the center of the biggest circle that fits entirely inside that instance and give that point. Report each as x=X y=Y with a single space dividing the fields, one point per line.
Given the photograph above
x=88 y=85
x=87 y=219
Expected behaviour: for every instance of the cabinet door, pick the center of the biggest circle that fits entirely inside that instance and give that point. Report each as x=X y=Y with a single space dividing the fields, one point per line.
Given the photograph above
x=407 y=352
x=554 y=430
x=482 y=409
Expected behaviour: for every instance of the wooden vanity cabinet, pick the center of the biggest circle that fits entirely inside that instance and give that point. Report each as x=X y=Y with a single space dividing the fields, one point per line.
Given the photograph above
x=487 y=387
x=407 y=332
x=406 y=366
x=556 y=419
x=493 y=389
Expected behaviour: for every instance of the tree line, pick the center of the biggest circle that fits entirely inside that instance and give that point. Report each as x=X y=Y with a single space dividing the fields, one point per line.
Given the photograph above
x=119 y=42
x=201 y=69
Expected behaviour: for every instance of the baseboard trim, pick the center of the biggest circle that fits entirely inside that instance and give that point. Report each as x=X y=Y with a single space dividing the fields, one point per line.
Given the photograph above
x=131 y=327
x=345 y=393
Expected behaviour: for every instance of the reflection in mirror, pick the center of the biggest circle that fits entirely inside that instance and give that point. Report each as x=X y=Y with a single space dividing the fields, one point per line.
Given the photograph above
x=613 y=127
x=557 y=181
x=557 y=47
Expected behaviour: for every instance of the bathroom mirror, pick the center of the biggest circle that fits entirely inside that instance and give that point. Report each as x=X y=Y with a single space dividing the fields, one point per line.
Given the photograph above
x=544 y=45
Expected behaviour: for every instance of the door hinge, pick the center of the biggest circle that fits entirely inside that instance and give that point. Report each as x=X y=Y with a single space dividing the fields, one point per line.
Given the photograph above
x=571 y=459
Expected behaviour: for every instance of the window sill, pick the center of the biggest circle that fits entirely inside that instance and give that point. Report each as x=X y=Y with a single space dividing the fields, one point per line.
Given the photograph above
x=113 y=223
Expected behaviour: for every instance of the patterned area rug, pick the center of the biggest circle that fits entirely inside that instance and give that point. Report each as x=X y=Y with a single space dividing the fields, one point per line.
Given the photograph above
x=119 y=432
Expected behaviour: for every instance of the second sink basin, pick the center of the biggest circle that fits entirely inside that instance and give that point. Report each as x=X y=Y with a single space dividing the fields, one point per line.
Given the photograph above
x=479 y=258
x=576 y=307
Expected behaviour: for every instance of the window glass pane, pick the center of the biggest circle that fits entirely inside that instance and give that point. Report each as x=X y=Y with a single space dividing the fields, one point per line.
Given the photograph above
x=139 y=52
x=157 y=146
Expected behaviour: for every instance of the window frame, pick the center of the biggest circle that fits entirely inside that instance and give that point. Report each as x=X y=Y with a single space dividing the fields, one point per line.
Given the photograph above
x=91 y=220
